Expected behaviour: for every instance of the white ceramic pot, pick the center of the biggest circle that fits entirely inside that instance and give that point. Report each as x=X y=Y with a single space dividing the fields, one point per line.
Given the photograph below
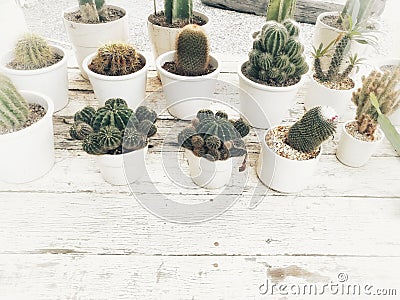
x=209 y=174
x=339 y=100
x=124 y=168
x=131 y=87
x=51 y=81
x=283 y=174
x=354 y=152
x=265 y=106
x=86 y=38
x=28 y=154
x=163 y=39
x=186 y=95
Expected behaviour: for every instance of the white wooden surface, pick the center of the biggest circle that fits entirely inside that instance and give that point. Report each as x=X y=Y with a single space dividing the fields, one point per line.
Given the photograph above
x=70 y=235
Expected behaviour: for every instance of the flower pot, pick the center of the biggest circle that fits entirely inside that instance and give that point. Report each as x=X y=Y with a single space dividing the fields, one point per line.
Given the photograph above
x=265 y=106
x=86 y=38
x=209 y=174
x=51 y=81
x=29 y=153
x=354 y=152
x=339 y=100
x=131 y=87
x=283 y=174
x=124 y=168
x=186 y=95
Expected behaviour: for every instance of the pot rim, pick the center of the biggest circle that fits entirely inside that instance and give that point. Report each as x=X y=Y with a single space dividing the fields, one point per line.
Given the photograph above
x=325 y=87
x=76 y=8
x=344 y=131
x=335 y=13
x=197 y=13
x=115 y=157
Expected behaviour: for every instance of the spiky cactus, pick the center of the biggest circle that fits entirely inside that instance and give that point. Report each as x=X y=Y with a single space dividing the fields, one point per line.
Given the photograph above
x=14 y=110
x=178 y=10
x=92 y=11
x=204 y=113
x=213 y=142
x=114 y=113
x=147 y=128
x=221 y=114
x=222 y=128
x=242 y=127
x=85 y=115
x=133 y=140
x=316 y=126
x=280 y=10
x=80 y=130
x=192 y=51
x=144 y=113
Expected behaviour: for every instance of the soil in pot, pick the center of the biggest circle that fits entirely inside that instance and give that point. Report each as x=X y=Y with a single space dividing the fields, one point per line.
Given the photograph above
x=332 y=21
x=111 y=14
x=352 y=129
x=345 y=84
x=160 y=20
x=36 y=112
x=170 y=66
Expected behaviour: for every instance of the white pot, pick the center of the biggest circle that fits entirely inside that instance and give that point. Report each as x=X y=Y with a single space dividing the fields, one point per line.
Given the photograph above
x=283 y=174
x=186 y=95
x=163 y=39
x=353 y=152
x=124 y=168
x=51 y=81
x=209 y=174
x=265 y=106
x=86 y=38
x=131 y=87
x=28 y=154
x=339 y=100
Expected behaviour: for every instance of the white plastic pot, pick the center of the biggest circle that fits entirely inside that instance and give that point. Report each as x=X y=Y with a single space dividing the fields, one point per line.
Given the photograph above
x=86 y=38
x=265 y=106
x=283 y=174
x=28 y=154
x=186 y=95
x=124 y=168
x=209 y=174
x=51 y=81
x=354 y=152
x=131 y=87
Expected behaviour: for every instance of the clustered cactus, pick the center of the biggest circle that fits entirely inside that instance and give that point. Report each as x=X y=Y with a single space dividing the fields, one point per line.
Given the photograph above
x=14 y=110
x=192 y=51
x=113 y=128
x=214 y=137
x=92 y=11
x=316 y=126
x=178 y=10
x=385 y=88
x=116 y=59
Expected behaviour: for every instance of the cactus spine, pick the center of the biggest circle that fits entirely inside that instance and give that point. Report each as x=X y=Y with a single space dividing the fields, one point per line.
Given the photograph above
x=178 y=10
x=92 y=11
x=280 y=10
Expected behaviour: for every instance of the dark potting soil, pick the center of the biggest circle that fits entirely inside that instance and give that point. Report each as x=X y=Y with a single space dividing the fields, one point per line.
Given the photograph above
x=36 y=112
x=112 y=14
x=16 y=66
x=160 y=20
x=137 y=68
x=171 y=67
x=332 y=21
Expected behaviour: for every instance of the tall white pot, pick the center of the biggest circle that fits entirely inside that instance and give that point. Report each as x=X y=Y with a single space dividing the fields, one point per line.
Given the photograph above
x=186 y=95
x=86 y=38
x=265 y=106
x=131 y=87
x=51 y=81
x=28 y=154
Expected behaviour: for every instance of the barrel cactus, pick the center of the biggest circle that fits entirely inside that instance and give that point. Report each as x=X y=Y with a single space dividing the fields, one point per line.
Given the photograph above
x=85 y=115
x=144 y=113
x=147 y=128
x=115 y=113
x=80 y=130
x=92 y=11
x=133 y=140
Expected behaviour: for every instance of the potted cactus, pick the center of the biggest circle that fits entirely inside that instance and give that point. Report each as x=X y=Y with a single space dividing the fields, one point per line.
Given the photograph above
x=361 y=137
x=271 y=77
x=211 y=142
x=188 y=74
x=35 y=65
x=26 y=134
x=117 y=136
x=117 y=70
x=164 y=26
x=93 y=23
x=290 y=154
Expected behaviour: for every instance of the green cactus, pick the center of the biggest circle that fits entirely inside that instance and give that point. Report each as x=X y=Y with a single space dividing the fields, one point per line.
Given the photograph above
x=33 y=52
x=213 y=142
x=222 y=128
x=92 y=11
x=184 y=137
x=242 y=126
x=316 y=126
x=145 y=113
x=280 y=10
x=292 y=27
x=80 y=130
x=114 y=113
x=147 y=127
x=178 y=10
x=204 y=113
x=192 y=51
x=221 y=114
x=236 y=147
x=109 y=138
x=14 y=110
x=85 y=115
x=133 y=140
x=197 y=141
x=91 y=145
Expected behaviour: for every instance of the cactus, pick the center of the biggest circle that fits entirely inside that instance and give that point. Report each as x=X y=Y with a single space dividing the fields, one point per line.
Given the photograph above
x=192 y=51
x=213 y=142
x=242 y=127
x=222 y=128
x=116 y=59
x=204 y=113
x=85 y=115
x=147 y=127
x=133 y=140
x=80 y=130
x=33 y=52
x=92 y=11
x=197 y=141
x=235 y=147
x=178 y=10
x=91 y=145
x=114 y=113
x=212 y=154
x=221 y=114
x=14 y=110
x=280 y=10
x=109 y=138
x=200 y=152
x=145 y=113
x=316 y=126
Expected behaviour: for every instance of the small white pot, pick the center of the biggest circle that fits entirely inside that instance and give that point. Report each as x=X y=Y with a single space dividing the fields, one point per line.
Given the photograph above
x=51 y=81
x=86 y=38
x=186 y=95
x=283 y=174
x=28 y=154
x=353 y=152
x=124 y=168
x=339 y=100
x=209 y=174
x=163 y=39
x=265 y=106
x=131 y=87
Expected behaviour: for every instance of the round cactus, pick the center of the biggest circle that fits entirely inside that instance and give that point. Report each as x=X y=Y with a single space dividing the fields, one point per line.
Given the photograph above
x=80 y=130
x=213 y=155
x=292 y=27
x=133 y=140
x=145 y=113
x=109 y=138
x=222 y=128
x=197 y=141
x=204 y=113
x=274 y=37
x=200 y=152
x=221 y=114
x=114 y=113
x=224 y=153
x=184 y=137
x=147 y=127
x=91 y=145
x=213 y=142
x=85 y=115
x=242 y=127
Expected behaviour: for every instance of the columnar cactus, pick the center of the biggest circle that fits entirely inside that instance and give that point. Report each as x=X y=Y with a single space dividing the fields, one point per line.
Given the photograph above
x=192 y=51
x=92 y=11
x=178 y=10
x=280 y=10
x=116 y=59
x=316 y=126
x=14 y=110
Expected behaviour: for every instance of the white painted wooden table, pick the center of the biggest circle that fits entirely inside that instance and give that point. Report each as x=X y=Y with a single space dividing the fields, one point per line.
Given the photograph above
x=70 y=235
